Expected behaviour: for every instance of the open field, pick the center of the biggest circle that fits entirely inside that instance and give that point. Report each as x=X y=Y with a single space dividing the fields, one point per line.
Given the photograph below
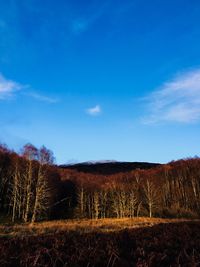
x=110 y=242
x=81 y=226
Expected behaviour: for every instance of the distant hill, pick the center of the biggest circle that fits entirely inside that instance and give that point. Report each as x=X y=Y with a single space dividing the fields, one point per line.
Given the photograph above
x=108 y=167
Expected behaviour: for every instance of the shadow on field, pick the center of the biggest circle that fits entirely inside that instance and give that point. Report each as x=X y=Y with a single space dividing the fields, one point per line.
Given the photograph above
x=173 y=244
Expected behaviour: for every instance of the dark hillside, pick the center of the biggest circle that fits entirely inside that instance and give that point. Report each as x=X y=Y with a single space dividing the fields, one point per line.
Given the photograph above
x=107 y=168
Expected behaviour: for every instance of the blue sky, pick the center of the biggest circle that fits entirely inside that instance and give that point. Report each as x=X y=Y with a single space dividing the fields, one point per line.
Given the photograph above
x=95 y=80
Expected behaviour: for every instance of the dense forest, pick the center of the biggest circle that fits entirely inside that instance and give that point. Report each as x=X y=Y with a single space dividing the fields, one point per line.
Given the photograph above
x=34 y=188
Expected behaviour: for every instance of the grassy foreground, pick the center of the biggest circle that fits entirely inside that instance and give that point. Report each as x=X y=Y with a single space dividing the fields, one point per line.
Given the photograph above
x=110 y=242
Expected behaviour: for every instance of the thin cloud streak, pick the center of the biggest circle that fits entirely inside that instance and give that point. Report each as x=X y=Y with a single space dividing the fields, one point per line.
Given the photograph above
x=8 y=87
x=43 y=98
x=94 y=111
x=82 y=24
x=177 y=100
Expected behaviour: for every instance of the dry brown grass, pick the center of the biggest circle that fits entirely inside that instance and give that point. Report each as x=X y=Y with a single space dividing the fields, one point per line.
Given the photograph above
x=139 y=242
x=82 y=226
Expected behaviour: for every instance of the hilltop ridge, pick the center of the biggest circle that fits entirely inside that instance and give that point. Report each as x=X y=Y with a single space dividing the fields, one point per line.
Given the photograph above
x=107 y=167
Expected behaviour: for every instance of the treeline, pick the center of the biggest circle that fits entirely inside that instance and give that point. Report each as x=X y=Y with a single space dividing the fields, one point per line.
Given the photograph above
x=33 y=188
x=170 y=190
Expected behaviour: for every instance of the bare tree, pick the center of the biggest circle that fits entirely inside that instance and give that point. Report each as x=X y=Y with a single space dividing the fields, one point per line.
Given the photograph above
x=151 y=196
x=28 y=178
x=42 y=195
x=42 y=191
x=15 y=192
x=81 y=199
x=103 y=202
x=132 y=203
x=96 y=204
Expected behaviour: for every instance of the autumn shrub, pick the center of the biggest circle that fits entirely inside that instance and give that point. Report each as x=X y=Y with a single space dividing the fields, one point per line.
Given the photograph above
x=179 y=213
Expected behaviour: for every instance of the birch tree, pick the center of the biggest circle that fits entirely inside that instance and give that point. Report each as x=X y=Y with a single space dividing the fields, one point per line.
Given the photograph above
x=151 y=196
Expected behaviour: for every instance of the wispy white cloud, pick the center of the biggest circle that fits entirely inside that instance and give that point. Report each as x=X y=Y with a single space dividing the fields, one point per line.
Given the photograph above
x=42 y=98
x=8 y=87
x=94 y=111
x=177 y=100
